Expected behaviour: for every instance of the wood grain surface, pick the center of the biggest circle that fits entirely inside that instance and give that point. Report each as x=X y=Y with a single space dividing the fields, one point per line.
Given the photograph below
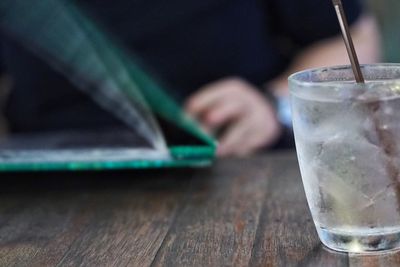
x=240 y=212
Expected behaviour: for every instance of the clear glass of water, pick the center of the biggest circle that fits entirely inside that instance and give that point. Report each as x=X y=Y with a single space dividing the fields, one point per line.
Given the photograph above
x=348 y=145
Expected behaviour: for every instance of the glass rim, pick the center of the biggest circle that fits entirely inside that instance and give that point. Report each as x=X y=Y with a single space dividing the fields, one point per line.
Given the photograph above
x=295 y=77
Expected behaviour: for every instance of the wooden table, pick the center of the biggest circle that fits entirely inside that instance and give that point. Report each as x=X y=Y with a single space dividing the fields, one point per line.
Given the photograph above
x=240 y=212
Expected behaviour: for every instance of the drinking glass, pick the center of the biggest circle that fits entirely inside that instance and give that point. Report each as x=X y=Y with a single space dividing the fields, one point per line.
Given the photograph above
x=348 y=146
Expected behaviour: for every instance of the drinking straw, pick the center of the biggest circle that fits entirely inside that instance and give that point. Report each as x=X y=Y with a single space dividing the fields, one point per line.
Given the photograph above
x=348 y=41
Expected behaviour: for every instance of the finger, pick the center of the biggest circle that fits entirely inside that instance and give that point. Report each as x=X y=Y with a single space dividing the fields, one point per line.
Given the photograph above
x=262 y=135
x=232 y=139
x=222 y=113
x=256 y=132
x=245 y=144
x=252 y=144
x=205 y=98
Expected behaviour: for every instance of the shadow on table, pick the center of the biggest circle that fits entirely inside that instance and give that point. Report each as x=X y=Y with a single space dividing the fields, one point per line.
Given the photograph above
x=323 y=256
x=320 y=255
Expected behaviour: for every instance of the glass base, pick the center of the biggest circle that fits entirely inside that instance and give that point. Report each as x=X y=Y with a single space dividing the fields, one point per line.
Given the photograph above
x=357 y=243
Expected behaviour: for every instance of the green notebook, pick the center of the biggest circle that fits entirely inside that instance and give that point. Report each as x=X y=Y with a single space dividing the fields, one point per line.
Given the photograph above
x=62 y=35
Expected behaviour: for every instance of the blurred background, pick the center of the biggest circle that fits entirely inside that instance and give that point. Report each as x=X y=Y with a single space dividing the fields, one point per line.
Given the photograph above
x=386 y=13
x=5 y=87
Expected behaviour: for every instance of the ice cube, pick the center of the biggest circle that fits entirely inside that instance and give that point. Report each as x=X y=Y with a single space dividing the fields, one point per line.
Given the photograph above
x=358 y=162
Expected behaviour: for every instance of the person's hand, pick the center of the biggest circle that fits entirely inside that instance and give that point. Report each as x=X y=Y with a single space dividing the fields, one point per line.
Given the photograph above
x=247 y=119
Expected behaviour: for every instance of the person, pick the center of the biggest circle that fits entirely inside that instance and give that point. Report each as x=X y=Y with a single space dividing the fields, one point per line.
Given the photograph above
x=226 y=61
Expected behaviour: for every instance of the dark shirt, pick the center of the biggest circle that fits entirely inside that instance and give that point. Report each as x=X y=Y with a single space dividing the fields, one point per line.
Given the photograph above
x=187 y=44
